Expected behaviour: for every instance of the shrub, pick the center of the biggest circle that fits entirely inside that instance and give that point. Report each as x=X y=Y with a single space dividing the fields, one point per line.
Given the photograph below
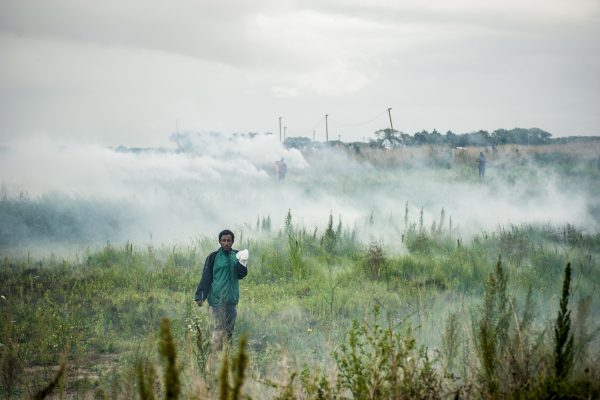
x=378 y=362
x=563 y=338
x=374 y=264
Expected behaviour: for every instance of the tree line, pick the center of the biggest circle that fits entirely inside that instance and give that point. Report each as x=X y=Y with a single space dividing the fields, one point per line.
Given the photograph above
x=518 y=136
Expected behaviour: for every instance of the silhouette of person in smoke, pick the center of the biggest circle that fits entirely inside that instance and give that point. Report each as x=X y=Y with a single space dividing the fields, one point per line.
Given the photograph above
x=282 y=169
x=481 y=164
x=220 y=287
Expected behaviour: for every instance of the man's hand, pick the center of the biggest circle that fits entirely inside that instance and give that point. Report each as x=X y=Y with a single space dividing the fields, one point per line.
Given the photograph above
x=199 y=302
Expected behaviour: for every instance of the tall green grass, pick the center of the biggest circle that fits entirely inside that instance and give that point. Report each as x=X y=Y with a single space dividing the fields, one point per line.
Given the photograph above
x=309 y=300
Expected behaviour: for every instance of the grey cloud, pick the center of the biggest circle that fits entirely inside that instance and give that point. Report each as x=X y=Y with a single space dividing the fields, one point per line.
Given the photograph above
x=202 y=30
x=236 y=66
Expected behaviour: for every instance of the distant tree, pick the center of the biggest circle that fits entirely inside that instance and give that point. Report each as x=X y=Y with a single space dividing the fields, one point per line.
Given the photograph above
x=479 y=138
x=539 y=136
x=406 y=139
x=425 y=137
x=390 y=134
x=436 y=138
x=500 y=136
x=522 y=136
x=519 y=135
x=296 y=142
x=421 y=137
x=576 y=139
x=451 y=139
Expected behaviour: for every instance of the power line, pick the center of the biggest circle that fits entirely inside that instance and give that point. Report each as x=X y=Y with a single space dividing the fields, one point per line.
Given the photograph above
x=326 y=118
x=318 y=123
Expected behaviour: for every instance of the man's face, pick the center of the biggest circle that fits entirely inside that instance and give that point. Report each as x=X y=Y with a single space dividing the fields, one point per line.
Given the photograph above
x=226 y=242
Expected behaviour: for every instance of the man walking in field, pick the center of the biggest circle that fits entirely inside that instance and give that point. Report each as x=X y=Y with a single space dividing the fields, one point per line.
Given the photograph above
x=481 y=164
x=282 y=169
x=220 y=287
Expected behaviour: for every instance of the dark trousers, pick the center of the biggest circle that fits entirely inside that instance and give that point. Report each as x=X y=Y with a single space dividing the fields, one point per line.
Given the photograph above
x=224 y=320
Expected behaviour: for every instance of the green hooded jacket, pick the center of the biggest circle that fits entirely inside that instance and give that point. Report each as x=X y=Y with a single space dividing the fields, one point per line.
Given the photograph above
x=219 y=283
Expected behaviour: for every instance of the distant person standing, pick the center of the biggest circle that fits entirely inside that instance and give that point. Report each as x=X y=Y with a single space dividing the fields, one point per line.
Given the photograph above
x=277 y=169
x=282 y=169
x=219 y=285
x=481 y=164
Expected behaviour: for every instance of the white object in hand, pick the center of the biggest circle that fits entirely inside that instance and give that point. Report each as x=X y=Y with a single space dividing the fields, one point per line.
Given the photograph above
x=242 y=256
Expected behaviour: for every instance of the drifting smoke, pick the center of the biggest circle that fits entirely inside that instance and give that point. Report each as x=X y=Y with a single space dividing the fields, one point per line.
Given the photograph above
x=207 y=182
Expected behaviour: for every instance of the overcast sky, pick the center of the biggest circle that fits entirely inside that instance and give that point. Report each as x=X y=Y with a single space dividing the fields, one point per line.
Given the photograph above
x=132 y=72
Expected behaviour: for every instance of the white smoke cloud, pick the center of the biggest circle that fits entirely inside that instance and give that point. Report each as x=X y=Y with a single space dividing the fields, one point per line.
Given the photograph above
x=207 y=182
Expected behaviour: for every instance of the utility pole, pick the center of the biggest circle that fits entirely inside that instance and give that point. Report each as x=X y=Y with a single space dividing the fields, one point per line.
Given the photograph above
x=390 y=115
x=280 y=129
x=326 y=129
x=284 y=132
x=340 y=138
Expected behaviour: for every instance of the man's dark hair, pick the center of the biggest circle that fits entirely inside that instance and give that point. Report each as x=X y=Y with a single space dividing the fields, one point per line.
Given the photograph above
x=226 y=232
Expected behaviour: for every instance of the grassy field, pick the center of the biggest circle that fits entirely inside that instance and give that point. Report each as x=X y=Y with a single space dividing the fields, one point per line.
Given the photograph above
x=397 y=305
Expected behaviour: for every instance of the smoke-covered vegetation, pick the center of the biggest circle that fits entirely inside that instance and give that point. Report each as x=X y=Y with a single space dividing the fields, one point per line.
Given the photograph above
x=515 y=136
x=373 y=274
x=87 y=195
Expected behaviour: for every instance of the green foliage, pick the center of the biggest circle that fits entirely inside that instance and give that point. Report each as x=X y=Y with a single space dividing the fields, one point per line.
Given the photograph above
x=266 y=224
x=563 y=337
x=167 y=350
x=480 y=138
x=516 y=243
x=199 y=331
x=450 y=342
x=241 y=363
x=288 y=226
x=329 y=238
x=492 y=329
x=224 y=387
x=315 y=385
x=61 y=219
x=145 y=379
x=515 y=361
x=296 y=142
x=583 y=337
x=441 y=222
x=524 y=356
x=378 y=362
x=295 y=253
x=374 y=263
x=46 y=390
x=11 y=367
x=105 y=304
x=237 y=369
x=295 y=248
